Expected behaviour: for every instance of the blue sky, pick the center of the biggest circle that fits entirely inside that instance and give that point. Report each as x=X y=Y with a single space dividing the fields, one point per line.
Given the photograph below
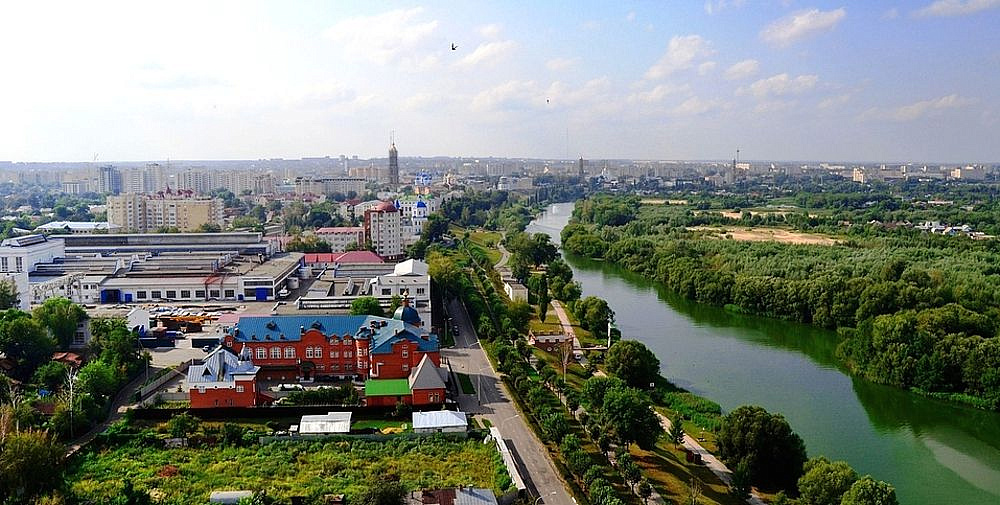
x=781 y=80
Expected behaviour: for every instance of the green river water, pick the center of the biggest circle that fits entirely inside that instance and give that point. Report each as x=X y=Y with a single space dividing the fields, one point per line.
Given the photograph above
x=933 y=452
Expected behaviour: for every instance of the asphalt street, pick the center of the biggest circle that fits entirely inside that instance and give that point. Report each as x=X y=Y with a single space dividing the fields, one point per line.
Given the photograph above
x=492 y=402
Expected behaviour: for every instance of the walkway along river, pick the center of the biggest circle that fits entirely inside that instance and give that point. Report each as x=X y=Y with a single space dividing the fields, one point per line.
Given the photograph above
x=934 y=452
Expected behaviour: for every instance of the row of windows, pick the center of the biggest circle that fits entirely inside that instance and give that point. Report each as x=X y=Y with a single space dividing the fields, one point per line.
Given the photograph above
x=185 y=293
x=336 y=367
x=311 y=352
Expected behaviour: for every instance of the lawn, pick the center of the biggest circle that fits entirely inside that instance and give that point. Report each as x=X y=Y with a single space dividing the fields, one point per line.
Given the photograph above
x=671 y=475
x=466 y=383
x=284 y=469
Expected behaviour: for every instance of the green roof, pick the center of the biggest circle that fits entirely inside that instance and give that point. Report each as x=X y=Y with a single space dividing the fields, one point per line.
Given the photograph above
x=387 y=387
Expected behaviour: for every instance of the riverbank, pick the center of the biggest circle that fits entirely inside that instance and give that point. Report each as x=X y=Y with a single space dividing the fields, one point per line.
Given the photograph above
x=932 y=451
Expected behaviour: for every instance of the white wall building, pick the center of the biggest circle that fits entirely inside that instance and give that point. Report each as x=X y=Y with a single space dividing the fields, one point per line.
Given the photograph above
x=340 y=237
x=384 y=228
x=23 y=254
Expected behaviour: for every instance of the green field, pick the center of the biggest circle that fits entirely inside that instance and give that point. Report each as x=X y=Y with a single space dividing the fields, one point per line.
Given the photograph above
x=284 y=469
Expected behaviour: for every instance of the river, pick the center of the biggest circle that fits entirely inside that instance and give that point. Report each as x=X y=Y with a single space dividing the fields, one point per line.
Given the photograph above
x=933 y=452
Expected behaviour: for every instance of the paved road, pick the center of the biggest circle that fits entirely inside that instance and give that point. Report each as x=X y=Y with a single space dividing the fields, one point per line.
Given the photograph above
x=467 y=357
x=505 y=255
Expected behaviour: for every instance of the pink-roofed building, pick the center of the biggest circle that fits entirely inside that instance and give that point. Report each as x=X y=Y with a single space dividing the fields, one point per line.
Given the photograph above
x=327 y=260
x=342 y=237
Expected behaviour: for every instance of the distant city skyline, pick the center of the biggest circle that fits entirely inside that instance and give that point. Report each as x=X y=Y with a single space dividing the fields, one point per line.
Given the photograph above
x=782 y=80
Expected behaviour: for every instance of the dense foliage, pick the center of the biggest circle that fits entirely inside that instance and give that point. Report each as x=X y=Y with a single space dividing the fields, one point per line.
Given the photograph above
x=925 y=307
x=633 y=362
x=773 y=453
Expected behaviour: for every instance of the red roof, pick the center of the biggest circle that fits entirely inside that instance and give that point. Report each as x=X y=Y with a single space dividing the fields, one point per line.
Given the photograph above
x=344 y=257
x=385 y=206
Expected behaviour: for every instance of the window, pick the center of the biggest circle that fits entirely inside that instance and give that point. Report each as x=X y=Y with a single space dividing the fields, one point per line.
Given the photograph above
x=275 y=353
x=334 y=367
x=171 y=293
x=140 y=295
x=230 y=293
x=20 y=263
x=289 y=353
x=157 y=294
x=214 y=293
x=199 y=293
x=201 y=391
x=420 y=291
x=406 y=353
x=348 y=354
x=239 y=389
x=261 y=353
x=386 y=291
x=309 y=352
x=347 y=341
x=3 y=264
x=348 y=367
x=185 y=293
x=334 y=354
x=406 y=367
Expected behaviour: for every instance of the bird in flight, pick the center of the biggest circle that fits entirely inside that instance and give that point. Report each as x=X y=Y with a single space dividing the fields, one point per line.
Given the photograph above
x=454 y=46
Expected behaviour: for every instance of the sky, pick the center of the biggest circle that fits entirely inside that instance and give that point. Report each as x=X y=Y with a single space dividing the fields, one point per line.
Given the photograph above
x=789 y=80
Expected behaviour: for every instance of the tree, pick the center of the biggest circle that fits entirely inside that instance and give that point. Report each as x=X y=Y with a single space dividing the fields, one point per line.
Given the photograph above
x=632 y=362
x=676 y=433
x=555 y=426
x=444 y=273
x=50 y=376
x=9 y=297
x=645 y=490
x=98 y=380
x=868 y=491
x=383 y=493
x=629 y=414
x=366 y=306
x=24 y=342
x=394 y=303
x=60 y=317
x=741 y=486
x=593 y=314
x=435 y=226
x=825 y=482
x=208 y=228
x=182 y=425
x=774 y=453
x=30 y=463
x=543 y=298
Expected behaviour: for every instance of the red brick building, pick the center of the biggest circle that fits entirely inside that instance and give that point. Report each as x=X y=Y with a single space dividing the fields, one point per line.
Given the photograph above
x=225 y=380
x=341 y=346
x=423 y=387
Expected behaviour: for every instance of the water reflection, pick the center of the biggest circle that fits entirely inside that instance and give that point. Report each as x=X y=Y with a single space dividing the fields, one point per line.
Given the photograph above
x=932 y=451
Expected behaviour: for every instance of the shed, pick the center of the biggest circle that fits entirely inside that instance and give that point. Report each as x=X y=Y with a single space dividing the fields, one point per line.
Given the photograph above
x=439 y=421
x=331 y=422
x=229 y=497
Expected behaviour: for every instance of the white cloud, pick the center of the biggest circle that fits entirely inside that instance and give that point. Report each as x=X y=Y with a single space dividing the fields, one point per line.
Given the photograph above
x=591 y=25
x=775 y=106
x=489 y=52
x=490 y=31
x=782 y=84
x=386 y=38
x=917 y=110
x=695 y=106
x=956 y=7
x=682 y=52
x=630 y=16
x=742 y=70
x=712 y=7
x=513 y=94
x=706 y=68
x=835 y=101
x=800 y=25
x=561 y=64
x=892 y=13
x=424 y=102
x=657 y=94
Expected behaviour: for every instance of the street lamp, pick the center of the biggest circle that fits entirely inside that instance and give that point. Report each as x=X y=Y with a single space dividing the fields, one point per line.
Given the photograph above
x=543 y=496
x=71 y=377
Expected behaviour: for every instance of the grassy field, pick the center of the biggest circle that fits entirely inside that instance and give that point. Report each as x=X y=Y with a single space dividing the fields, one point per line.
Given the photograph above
x=486 y=239
x=285 y=469
x=671 y=475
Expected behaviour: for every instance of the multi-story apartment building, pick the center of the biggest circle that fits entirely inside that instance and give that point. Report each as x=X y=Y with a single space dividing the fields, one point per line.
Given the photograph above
x=384 y=228
x=340 y=237
x=142 y=214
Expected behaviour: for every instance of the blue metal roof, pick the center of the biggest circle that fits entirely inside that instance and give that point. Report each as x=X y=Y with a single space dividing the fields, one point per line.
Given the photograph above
x=289 y=329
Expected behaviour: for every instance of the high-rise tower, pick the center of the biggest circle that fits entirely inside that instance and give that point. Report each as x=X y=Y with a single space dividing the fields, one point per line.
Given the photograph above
x=393 y=162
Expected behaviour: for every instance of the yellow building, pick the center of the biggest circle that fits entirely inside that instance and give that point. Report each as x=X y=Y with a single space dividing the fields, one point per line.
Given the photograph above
x=144 y=214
